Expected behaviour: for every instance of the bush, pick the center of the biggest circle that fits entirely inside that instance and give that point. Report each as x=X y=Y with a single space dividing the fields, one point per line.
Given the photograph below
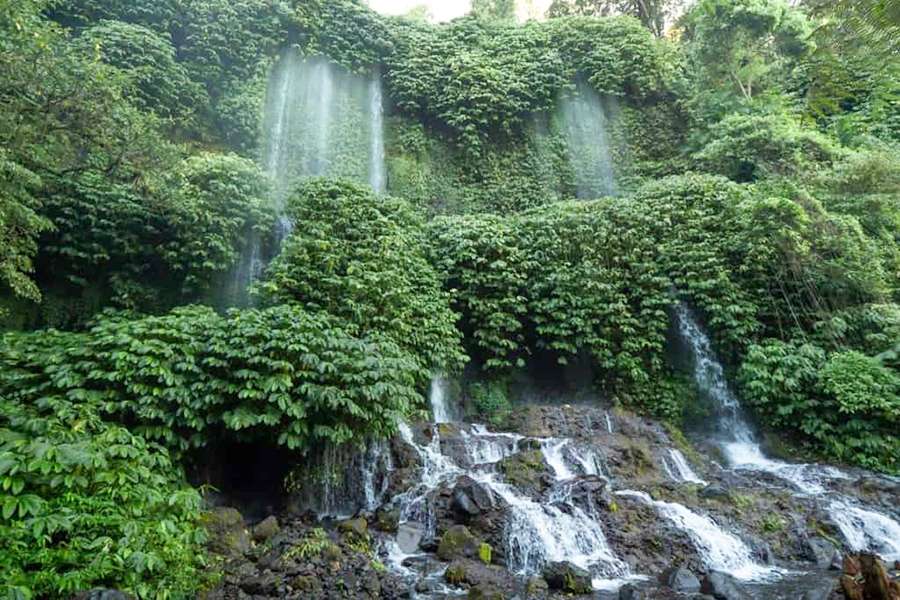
x=86 y=504
x=184 y=378
x=844 y=405
x=361 y=258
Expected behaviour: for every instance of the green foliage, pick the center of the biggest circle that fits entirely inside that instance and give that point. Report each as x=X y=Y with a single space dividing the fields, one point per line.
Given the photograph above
x=361 y=258
x=653 y=14
x=737 y=50
x=278 y=374
x=162 y=85
x=845 y=405
x=489 y=400
x=86 y=503
x=312 y=546
x=750 y=147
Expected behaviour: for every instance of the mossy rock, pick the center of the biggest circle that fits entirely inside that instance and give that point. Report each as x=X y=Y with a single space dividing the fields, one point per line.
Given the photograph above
x=455 y=573
x=524 y=469
x=484 y=552
x=458 y=542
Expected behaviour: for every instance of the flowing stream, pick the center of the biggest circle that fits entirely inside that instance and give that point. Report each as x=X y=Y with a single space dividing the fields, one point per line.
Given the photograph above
x=585 y=121
x=863 y=529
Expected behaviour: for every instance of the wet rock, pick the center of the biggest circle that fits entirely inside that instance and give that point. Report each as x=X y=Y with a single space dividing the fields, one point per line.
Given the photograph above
x=102 y=594
x=265 y=529
x=536 y=588
x=409 y=535
x=266 y=583
x=526 y=471
x=470 y=498
x=680 y=580
x=629 y=591
x=723 y=587
x=485 y=592
x=567 y=577
x=227 y=535
x=357 y=527
x=387 y=519
x=458 y=542
x=820 y=551
x=820 y=591
x=714 y=491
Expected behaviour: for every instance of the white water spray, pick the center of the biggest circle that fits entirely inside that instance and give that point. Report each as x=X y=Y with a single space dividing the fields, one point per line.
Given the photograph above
x=678 y=468
x=585 y=124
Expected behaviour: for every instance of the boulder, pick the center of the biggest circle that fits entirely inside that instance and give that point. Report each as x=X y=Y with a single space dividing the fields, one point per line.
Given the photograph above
x=820 y=551
x=409 y=535
x=357 y=527
x=387 y=519
x=723 y=587
x=455 y=573
x=629 y=591
x=265 y=529
x=714 y=491
x=470 y=498
x=485 y=592
x=680 y=580
x=227 y=534
x=566 y=577
x=536 y=588
x=458 y=542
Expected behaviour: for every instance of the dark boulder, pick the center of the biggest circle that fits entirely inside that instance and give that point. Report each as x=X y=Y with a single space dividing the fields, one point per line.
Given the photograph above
x=471 y=498
x=458 y=542
x=723 y=587
x=227 y=534
x=820 y=551
x=566 y=577
x=714 y=491
x=265 y=529
x=680 y=580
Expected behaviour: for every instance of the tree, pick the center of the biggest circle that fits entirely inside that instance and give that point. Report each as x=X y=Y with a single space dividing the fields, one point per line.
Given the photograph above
x=654 y=14
x=739 y=50
x=495 y=10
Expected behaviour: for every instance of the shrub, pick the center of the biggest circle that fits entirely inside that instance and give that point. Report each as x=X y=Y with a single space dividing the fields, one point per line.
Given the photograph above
x=276 y=374
x=86 y=503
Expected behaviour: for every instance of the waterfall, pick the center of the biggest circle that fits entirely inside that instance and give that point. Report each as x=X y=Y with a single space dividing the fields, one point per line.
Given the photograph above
x=584 y=123
x=719 y=549
x=376 y=119
x=609 y=424
x=553 y=454
x=438 y=396
x=862 y=528
x=678 y=468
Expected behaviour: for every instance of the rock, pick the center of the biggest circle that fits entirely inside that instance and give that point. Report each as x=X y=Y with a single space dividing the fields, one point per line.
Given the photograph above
x=567 y=577
x=102 y=594
x=227 y=535
x=357 y=527
x=536 y=588
x=387 y=519
x=866 y=578
x=471 y=498
x=409 y=535
x=680 y=580
x=266 y=583
x=630 y=592
x=265 y=529
x=820 y=551
x=455 y=573
x=722 y=586
x=485 y=592
x=821 y=591
x=714 y=491
x=526 y=471
x=457 y=542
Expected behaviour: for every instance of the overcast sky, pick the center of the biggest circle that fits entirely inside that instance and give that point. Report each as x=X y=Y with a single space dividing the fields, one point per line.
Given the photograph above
x=444 y=10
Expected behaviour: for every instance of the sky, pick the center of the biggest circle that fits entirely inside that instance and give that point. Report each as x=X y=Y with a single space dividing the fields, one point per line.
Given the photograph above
x=444 y=10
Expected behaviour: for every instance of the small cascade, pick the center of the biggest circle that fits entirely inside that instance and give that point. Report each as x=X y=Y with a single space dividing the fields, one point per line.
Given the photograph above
x=585 y=124
x=540 y=533
x=719 y=549
x=609 y=423
x=440 y=403
x=676 y=467
x=553 y=453
x=377 y=177
x=863 y=529
x=867 y=530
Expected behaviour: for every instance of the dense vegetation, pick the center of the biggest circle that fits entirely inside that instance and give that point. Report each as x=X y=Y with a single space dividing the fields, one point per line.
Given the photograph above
x=755 y=149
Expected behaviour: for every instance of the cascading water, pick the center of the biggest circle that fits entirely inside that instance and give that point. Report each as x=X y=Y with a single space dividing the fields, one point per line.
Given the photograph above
x=678 y=468
x=377 y=178
x=863 y=529
x=440 y=401
x=585 y=124
x=719 y=549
